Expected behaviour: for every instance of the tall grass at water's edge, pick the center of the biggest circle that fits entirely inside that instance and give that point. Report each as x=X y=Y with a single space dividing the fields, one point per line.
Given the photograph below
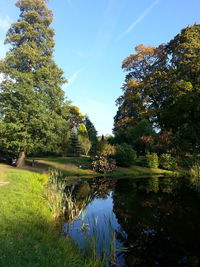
x=192 y=176
x=100 y=243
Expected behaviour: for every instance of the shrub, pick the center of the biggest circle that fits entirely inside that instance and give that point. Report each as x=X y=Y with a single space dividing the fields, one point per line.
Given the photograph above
x=141 y=161
x=191 y=160
x=166 y=161
x=103 y=164
x=108 y=149
x=125 y=156
x=152 y=160
x=103 y=148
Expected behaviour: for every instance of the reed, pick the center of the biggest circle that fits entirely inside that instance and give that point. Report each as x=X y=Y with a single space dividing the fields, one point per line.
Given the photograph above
x=55 y=193
x=102 y=240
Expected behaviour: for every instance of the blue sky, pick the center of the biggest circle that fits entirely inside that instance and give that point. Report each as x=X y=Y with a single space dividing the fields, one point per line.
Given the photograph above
x=94 y=36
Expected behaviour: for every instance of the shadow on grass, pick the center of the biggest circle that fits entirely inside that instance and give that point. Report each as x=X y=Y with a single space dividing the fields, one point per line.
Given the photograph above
x=74 y=167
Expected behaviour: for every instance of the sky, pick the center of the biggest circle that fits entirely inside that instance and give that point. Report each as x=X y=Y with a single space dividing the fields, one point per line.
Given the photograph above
x=94 y=36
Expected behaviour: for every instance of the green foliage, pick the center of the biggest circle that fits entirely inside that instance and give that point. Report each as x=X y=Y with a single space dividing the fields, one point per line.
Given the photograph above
x=55 y=192
x=31 y=98
x=192 y=174
x=84 y=139
x=92 y=134
x=75 y=116
x=108 y=149
x=85 y=145
x=74 y=148
x=139 y=135
x=104 y=148
x=193 y=164
x=166 y=161
x=125 y=155
x=152 y=160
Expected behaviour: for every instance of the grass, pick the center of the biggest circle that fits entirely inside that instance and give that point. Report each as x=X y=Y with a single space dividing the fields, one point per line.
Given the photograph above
x=70 y=166
x=138 y=171
x=80 y=167
x=28 y=233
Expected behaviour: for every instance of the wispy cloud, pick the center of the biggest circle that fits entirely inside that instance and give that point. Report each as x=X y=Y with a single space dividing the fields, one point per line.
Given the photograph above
x=74 y=77
x=5 y=23
x=139 y=19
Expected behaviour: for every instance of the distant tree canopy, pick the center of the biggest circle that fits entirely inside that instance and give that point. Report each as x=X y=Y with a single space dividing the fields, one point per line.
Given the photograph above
x=161 y=93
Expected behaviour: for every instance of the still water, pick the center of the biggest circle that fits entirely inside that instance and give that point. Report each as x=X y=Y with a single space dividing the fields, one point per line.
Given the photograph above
x=151 y=221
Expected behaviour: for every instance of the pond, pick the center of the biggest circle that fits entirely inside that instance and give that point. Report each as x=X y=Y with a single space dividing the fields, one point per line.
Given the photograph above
x=144 y=221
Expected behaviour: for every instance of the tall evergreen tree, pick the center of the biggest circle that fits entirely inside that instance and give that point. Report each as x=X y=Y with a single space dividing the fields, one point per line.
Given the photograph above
x=75 y=149
x=92 y=134
x=31 y=97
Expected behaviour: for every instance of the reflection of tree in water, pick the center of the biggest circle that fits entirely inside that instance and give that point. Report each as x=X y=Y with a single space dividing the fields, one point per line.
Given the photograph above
x=80 y=193
x=102 y=187
x=160 y=223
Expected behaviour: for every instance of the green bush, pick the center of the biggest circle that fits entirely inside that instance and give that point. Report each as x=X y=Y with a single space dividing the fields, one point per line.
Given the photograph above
x=152 y=160
x=141 y=161
x=190 y=160
x=104 y=148
x=125 y=156
x=166 y=161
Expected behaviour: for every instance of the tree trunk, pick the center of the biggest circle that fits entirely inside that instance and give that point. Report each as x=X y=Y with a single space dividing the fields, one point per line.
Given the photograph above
x=21 y=159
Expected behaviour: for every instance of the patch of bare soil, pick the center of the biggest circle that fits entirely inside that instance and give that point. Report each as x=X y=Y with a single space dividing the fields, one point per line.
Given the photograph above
x=4 y=183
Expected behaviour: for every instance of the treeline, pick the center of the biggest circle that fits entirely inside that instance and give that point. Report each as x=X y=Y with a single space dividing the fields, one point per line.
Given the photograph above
x=159 y=110
x=35 y=116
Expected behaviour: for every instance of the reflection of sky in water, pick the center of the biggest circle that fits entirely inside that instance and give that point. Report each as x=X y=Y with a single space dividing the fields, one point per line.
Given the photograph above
x=98 y=213
x=100 y=206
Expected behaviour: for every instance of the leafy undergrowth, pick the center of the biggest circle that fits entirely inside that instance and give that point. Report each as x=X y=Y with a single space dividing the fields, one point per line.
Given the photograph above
x=28 y=235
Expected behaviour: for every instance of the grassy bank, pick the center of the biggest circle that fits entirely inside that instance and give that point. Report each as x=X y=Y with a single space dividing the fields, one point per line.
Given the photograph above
x=138 y=171
x=70 y=166
x=28 y=236
x=80 y=167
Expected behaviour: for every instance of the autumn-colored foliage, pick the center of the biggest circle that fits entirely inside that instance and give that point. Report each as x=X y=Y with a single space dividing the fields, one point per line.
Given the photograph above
x=162 y=86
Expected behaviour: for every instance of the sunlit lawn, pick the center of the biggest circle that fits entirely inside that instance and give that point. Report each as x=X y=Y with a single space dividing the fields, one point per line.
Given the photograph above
x=28 y=236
